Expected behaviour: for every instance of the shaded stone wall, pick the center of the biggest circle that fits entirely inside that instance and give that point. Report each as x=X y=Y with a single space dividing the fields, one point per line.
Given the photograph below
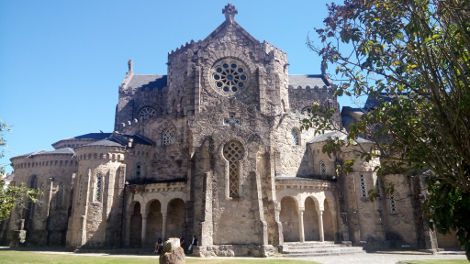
x=398 y=210
x=46 y=220
x=97 y=207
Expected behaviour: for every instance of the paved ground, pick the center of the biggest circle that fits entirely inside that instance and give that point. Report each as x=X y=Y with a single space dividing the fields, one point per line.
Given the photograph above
x=380 y=258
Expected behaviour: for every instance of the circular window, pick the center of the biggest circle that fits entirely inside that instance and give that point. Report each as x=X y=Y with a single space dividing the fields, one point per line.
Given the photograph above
x=229 y=76
x=146 y=113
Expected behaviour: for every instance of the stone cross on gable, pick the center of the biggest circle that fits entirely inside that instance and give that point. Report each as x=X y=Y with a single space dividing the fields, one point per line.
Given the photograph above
x=229 y=11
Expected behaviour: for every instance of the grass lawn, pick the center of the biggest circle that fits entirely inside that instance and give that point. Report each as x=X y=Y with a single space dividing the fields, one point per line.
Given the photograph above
x=436 y=261
x=26 y=257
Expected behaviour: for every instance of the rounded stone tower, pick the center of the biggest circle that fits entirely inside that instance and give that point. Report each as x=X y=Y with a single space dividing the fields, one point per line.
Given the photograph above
x=97 y=200
x=51 y=172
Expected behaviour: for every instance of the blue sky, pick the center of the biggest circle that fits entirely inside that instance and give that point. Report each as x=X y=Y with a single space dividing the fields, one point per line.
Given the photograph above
x=61 y=62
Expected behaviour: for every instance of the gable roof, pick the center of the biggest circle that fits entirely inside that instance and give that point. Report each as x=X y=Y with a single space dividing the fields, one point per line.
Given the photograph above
x=105 y=143
x=307 y=80
x=61 y=151
x=223 y=28
x=93 y=136
x=147 y=82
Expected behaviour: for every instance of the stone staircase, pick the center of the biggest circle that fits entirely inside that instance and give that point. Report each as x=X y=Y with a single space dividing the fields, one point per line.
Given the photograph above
x=315 y=248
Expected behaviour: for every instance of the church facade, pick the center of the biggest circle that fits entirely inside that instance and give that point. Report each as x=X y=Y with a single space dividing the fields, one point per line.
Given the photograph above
x=213 y=149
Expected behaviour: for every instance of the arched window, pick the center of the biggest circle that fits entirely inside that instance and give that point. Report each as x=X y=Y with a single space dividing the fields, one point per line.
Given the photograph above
x=393 y=206
x=33 y=182
x=233 y=152
x=99 y=188
x=363 y=186
x=138 y=171
x=322 y=168
x=168 y=136
x=295 y=134
x=146 y=113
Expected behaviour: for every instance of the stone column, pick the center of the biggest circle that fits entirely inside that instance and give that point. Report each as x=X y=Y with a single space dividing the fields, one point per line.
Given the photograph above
x=144 y=229
x=301 y=225
x=277 y=213
x=127 y=229
x=164 y=226
x=320 y=226
x=164 y=211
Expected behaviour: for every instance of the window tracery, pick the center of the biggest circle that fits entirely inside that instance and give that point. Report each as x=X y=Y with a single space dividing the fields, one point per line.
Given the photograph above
x=322 y=168
x=233 y=152
x=393 y=206
x=168 y=136
x=147 y=113
x=99 y=188
x=363 y=186
x=229 y=75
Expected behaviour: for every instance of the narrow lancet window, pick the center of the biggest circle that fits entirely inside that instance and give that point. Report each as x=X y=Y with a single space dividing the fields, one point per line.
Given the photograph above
x=99 y=188
x=363 y=186
x=233 y=152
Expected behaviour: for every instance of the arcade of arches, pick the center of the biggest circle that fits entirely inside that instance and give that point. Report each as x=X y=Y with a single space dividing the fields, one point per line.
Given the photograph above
x=149 y=222
x=307 y=220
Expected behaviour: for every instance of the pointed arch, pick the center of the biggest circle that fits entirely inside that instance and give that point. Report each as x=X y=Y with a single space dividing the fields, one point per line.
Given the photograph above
x=168 y=134
x=233 y=152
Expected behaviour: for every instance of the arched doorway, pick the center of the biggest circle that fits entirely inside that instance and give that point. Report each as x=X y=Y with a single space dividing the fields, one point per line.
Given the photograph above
x=154 y=223
x=135 y=230
x=311 y=221
x=175 y=218
x=289 y=219
x=328 y=221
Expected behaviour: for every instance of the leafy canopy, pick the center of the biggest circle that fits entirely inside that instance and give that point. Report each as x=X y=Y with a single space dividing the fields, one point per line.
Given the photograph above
x=11 y=196
x=413 y=57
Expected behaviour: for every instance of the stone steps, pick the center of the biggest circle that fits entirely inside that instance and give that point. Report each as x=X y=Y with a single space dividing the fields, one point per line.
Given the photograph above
x=297 y=249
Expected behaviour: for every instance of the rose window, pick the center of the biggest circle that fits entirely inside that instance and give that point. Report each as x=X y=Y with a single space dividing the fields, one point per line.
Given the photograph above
x=229 y=76
x=146 y=113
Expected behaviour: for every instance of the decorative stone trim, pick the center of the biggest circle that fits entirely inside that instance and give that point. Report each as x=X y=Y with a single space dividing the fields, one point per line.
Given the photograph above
x=304 y=184
x=160 y=187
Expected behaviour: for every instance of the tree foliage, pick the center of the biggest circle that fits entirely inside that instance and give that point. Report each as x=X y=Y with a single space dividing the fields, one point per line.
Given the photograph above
x=11 y=196
x=413 y=57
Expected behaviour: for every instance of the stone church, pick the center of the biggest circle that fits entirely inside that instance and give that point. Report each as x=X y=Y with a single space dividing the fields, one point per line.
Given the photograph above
x=214 y=150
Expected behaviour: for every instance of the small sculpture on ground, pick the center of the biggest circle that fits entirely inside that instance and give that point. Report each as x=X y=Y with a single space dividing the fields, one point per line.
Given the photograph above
x=172 y=252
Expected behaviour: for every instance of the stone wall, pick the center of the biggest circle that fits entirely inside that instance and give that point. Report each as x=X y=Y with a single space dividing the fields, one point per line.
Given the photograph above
x=98 y=198
x=398 y=211
x=45 y=220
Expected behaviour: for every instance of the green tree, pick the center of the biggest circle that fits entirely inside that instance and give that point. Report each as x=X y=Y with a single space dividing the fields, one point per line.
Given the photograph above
x=416 y=54
x=11 y=196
